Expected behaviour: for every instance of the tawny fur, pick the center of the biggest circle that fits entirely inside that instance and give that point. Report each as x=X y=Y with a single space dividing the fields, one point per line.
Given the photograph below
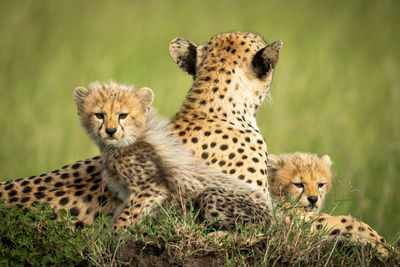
x=152 y=166
x=232 y=76
x=302 y=178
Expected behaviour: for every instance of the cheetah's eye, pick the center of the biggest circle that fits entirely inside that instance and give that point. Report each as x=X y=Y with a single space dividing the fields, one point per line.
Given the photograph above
x=299 y=185
x=100 y=116
x=122 y=116
x=321 y=185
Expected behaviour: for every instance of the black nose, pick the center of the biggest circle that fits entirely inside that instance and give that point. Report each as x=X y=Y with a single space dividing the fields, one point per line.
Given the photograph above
x=111 y=131
x=313 y=199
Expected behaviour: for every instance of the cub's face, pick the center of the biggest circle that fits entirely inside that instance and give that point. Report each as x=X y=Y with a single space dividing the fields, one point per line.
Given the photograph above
x=300 y=177
x=112 y=114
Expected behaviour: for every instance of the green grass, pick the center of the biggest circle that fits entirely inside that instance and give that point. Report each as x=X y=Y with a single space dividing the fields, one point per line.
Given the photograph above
x=336 y=89
x=170 y=239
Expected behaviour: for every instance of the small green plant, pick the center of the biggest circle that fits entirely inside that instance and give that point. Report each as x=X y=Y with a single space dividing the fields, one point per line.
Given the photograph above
x=38 y=237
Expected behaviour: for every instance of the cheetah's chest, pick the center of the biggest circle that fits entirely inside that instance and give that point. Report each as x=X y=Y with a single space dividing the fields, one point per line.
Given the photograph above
x=131 y=170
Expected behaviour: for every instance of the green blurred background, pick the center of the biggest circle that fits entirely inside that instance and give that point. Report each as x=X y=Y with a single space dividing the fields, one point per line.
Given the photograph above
x=336 y=89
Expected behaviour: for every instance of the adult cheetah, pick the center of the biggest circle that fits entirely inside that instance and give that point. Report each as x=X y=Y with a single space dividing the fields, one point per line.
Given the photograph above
x=232 y=75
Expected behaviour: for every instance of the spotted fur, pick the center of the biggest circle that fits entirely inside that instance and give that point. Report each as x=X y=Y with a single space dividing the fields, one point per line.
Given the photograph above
x=232 y=75
x=142 y=163
x=302 y=178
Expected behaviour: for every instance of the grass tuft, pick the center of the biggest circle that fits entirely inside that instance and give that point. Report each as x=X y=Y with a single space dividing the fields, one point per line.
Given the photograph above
x=171 y=238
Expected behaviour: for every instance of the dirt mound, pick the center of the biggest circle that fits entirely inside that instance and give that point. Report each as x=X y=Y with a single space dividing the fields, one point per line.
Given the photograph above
x=140 y=253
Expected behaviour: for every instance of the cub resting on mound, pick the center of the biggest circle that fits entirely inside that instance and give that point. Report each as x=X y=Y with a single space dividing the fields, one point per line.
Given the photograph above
x=302 y=178
x=144 y=166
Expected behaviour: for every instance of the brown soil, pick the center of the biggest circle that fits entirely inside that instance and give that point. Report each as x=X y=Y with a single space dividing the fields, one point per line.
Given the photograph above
x=139 y=253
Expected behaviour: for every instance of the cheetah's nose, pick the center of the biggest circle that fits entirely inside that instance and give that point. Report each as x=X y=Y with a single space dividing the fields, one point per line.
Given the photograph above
x=111 y=131
x=312 y=199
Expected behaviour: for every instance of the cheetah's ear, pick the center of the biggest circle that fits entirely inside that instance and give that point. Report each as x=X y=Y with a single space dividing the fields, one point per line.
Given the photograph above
x=327 y=160
x=184 y=53
x=145 y=96
x=80 y=94
x=266 y=59
x=274 y=161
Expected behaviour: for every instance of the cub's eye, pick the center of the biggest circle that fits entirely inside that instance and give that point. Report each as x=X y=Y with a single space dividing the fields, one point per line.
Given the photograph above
x=100 y=116
x=122 y=116
x=299 y=185
x=321 y=185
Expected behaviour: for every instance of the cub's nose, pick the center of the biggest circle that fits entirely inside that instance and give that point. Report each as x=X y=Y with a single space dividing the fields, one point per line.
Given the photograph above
x=111 y=131
x=312 y=199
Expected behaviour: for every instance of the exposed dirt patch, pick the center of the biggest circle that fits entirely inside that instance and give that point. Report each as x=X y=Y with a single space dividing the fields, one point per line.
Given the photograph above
x=140 y=253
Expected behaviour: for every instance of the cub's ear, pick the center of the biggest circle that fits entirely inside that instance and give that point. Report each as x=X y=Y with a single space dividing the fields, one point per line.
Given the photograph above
x=184 y=53
x=145 y=96
x=327 y=160
x=274 y=161
x=80 y=93
x=266 y=59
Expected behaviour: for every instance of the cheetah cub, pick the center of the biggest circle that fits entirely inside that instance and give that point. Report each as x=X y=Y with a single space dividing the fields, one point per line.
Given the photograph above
x=301 y=177
x=144 y=165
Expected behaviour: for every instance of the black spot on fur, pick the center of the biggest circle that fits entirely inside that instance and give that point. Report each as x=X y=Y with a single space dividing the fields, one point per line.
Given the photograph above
x=78 y=180
x=204 y=155
x=64 y=175
x=25 y=199
x=8 y=187
x=335 y=232
x=79 y=193
x=12 y=193
x=39 y=195
x=59 y=193
x=90 y=169
x=251 y=169
x=94 y=187
x=64 y=201
x=13 y=200
x=27 y=189
x=74 y=211
x=76 y=166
